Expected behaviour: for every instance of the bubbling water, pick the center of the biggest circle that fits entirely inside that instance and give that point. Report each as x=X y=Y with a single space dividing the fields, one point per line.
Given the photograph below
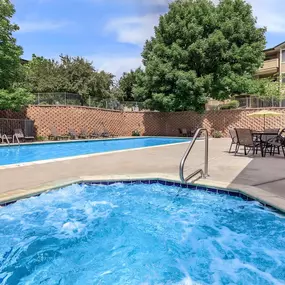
x=140 y=234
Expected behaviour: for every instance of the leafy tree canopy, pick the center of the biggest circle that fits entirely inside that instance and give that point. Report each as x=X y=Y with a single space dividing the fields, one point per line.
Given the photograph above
x=15 y=99
x=69 y=74
x=10 y=52
x=200 y=50
x=128 y=82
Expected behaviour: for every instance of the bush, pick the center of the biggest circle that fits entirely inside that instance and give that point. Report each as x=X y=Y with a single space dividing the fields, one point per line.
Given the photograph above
x=41 y=138
x=234 y=104
x=15 y=99
x=136 y=133
x=217 y=134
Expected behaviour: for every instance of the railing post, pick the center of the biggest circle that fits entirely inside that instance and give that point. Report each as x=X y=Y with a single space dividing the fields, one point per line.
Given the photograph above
x=206 y=169
x=204 y=173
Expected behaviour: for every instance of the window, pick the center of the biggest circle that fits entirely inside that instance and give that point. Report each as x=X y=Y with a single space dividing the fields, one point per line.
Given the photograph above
x=283 y=55
x=283 y=77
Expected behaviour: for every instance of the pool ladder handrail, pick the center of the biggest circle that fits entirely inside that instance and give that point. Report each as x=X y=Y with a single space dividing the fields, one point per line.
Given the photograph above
x=17 y=139
x=204 y=173
x=4 y=137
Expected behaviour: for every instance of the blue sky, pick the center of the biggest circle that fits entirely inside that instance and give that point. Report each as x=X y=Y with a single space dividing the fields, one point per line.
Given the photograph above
x=111 y=33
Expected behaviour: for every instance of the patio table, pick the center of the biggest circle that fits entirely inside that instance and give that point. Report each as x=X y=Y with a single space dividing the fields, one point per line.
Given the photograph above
x=259 y=135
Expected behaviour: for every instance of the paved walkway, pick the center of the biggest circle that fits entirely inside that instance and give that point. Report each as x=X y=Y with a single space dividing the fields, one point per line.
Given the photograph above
x=266 y=173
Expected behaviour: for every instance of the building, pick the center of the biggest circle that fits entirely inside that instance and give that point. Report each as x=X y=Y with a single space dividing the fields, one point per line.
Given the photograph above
x=274 y=63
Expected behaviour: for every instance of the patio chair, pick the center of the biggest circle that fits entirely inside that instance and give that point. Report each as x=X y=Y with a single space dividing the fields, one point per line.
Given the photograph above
x=72 y=133
x=106 y=134
x=20 y=135
x=183 y=132
x=187 y=133
x=245 y=139
x=276 y=143
x=55 y=136
x=234 y=141
x=95 y=135
x=83 y=134
x=267 y=138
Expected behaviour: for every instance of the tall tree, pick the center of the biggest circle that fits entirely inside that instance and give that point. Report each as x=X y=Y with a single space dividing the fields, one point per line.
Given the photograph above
x=70 y=74
x=10 y=52
x=201 y=50
x=43 y=75
x=128 y=83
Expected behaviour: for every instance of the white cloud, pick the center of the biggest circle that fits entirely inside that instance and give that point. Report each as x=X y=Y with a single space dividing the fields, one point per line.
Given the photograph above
x=41 y=25
x=133 y=30
x=115 y=64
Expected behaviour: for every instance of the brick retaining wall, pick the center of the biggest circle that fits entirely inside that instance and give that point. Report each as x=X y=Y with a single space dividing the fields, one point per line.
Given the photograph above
x=148 y=123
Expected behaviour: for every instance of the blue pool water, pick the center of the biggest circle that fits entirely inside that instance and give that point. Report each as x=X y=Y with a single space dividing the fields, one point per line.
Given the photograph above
x=140 y=234
x=28 y=153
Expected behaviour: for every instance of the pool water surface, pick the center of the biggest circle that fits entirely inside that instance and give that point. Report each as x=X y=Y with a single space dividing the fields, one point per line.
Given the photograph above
x=140 y=234
x=45 y=151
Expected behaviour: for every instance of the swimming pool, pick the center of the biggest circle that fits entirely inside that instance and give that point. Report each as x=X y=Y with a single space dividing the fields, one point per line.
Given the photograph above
x=140 y=234
x=35 y=152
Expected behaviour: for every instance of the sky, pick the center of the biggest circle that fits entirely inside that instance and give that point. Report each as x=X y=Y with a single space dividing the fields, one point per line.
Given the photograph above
x=110 y=33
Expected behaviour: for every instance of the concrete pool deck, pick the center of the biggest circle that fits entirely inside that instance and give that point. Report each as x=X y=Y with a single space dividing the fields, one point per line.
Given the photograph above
x=226 y=170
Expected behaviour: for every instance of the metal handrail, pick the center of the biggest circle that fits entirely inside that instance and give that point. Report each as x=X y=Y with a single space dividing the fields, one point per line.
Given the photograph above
x=204 y=173
x=17 y=139
x=5 y=137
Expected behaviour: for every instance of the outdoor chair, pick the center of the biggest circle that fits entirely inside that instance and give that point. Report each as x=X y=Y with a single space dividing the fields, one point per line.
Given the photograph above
x=55 y=136
x=83 y=134
x=234 y=141
x=106 y=134
x=72 y=133
x=245 y=139
x=276 y=143
x=186 y=133
x=20 y=135
x=95 y=135
x=183 y=132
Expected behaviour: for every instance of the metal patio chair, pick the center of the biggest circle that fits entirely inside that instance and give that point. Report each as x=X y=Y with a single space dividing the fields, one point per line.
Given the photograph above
x=95 y=135
x=55 y=136
x=245 y=139
x=234 y=141
x=276 y=143
x=20 y=135
x=72 y=133
x=83 y=134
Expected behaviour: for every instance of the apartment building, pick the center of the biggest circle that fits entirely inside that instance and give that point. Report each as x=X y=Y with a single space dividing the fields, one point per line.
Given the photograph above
x=274 y=63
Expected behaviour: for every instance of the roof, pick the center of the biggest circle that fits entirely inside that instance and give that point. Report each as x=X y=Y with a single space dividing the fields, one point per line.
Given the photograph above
x=24 y=61
x=273 y=48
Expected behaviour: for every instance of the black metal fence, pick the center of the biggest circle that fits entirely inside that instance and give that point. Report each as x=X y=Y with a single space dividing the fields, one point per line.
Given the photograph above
x=257 y=102
x=71 y=99
x=7 y=126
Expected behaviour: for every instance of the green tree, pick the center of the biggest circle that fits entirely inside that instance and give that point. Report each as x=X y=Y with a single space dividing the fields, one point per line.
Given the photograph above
x=270 y=89
x=128 y=82
x=43 y=75
x=15 y=99
x=10 y=52
x=70 y=74
x=201 y=50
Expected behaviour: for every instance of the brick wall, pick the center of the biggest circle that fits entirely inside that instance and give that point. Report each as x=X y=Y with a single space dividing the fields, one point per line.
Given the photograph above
x=148 y=123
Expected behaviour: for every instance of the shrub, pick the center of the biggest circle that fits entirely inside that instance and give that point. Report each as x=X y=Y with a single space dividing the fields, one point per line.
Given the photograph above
x=217 y=134
x=136 y=133
x=234 y=104
x=41 y=138
x=15 y=99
